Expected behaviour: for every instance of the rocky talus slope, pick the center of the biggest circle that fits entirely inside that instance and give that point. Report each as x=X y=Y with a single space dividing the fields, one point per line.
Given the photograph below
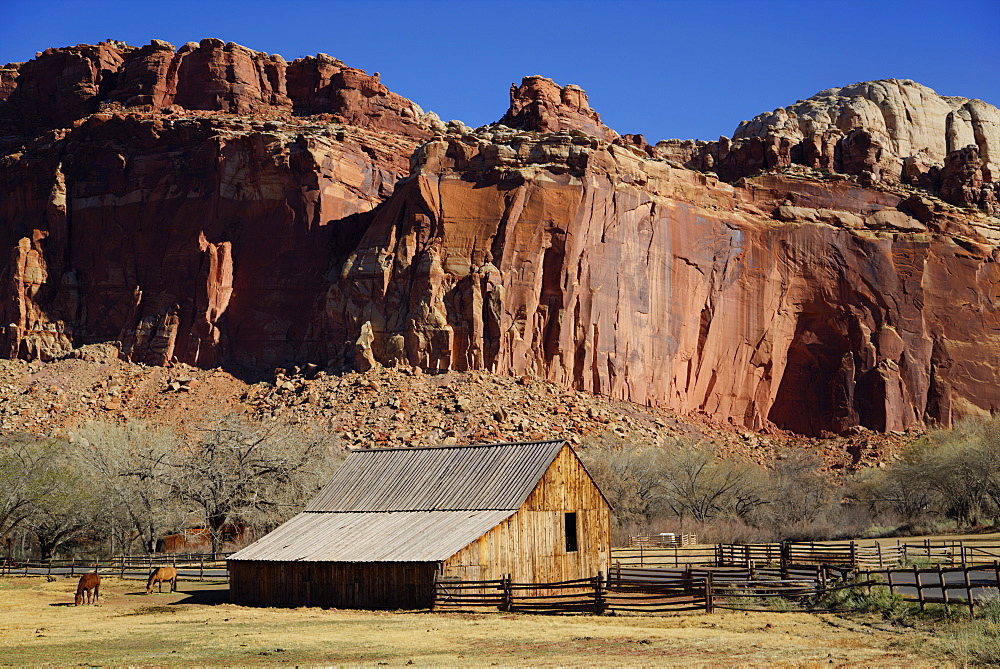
x=831 y=266
x=399 y=406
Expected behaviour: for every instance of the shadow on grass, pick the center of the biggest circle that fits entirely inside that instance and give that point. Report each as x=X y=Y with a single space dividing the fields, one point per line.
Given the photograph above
x=208 y=597
x=63 y=604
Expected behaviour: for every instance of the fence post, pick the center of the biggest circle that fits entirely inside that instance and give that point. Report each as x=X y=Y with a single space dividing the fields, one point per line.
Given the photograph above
x=854 y=556
x=122 y=575
x=507 y=598
x=709 y=604
x=944 y=588
x=920 y=591
x=642 y=562
x=598 y=593
x=201 y=568
x=968 y=591
x=72 y=566
x=892 y=589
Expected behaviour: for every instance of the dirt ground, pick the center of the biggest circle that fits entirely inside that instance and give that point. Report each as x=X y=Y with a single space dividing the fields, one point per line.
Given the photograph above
x=197 y=627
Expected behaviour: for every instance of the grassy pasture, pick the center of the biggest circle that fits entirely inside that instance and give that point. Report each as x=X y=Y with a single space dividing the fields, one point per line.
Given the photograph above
x=197 y=627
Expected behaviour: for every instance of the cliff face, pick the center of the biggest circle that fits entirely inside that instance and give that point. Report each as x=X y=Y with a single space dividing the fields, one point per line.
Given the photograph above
x=216 y=205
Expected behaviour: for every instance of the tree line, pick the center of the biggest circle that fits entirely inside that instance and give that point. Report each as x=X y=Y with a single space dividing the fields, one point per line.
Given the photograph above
x=686 y=486
x=951 y=475
x=948 y=478
x=113 y=488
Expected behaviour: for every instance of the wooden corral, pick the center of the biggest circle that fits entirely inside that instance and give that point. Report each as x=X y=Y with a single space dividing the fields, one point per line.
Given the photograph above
x=391 y=521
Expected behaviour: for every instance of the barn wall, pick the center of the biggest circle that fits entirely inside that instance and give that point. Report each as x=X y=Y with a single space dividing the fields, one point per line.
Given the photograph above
x=357 y=585
x=531 y=544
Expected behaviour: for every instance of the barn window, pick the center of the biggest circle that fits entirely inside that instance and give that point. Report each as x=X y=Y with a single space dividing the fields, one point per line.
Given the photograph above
x=571 y=544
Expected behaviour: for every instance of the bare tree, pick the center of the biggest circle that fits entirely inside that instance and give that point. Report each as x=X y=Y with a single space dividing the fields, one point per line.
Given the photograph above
x=799 y=491
x=237 y=473
x=27 y=476
x=628 y=474
x=954 y=473
x=698 y=484
x=68 y=509
x=134 y=463
x=896 y=489
x=674 y=476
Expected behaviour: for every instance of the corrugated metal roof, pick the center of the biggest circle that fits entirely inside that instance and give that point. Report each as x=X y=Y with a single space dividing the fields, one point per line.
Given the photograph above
x=448 y=478
x=404 y=536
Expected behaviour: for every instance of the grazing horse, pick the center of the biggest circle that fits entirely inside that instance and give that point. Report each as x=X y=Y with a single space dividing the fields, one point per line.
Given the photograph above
x=89 y=587
x=159 y=576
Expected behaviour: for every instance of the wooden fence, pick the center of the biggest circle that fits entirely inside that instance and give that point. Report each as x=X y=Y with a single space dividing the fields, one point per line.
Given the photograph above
x=970 y=585
x=845 y=554
x=597 y=595
x=648 y=590
x=190 y=566
x=662 y=540
x=676 y=556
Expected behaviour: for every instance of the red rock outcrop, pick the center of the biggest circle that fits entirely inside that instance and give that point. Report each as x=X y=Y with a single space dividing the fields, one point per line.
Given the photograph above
x=63 y=85
x=215 y=205
x=883 y=131
x=542 y=105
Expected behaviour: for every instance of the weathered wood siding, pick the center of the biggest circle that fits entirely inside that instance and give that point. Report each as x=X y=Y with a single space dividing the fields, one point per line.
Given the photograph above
x=354 y=585
x=531 y=544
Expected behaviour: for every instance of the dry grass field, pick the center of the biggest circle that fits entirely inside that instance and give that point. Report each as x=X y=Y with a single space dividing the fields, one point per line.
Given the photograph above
x=197 y=627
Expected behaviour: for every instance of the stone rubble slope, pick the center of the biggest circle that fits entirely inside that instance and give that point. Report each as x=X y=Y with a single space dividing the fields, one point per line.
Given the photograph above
x=380 y=408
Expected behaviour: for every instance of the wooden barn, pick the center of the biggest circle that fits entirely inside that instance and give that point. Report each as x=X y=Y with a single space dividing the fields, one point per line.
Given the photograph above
x=390 y=520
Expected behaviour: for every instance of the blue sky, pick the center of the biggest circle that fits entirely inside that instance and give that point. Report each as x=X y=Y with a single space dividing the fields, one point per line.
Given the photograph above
x=668 y=68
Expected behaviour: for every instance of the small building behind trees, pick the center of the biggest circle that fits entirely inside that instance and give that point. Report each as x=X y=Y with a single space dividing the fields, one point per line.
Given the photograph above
x=390 y=521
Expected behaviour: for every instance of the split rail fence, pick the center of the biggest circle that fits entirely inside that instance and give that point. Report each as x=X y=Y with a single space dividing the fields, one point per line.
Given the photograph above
x=203 y=566
x=662 y=540
x=651 y=590
x=968 y=586
x=849 y=555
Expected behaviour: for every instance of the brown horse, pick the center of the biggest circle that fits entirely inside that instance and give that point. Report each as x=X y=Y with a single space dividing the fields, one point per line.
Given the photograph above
x=159 y=576
x=89 y=587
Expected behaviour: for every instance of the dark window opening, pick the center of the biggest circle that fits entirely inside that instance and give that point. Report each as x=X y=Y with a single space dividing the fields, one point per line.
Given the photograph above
x=571 y=544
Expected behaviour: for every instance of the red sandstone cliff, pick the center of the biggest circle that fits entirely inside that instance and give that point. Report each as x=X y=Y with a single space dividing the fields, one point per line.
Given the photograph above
x=216 y=205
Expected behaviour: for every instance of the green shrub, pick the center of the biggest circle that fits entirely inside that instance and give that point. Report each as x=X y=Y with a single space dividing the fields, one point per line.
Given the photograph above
x=867 y=599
